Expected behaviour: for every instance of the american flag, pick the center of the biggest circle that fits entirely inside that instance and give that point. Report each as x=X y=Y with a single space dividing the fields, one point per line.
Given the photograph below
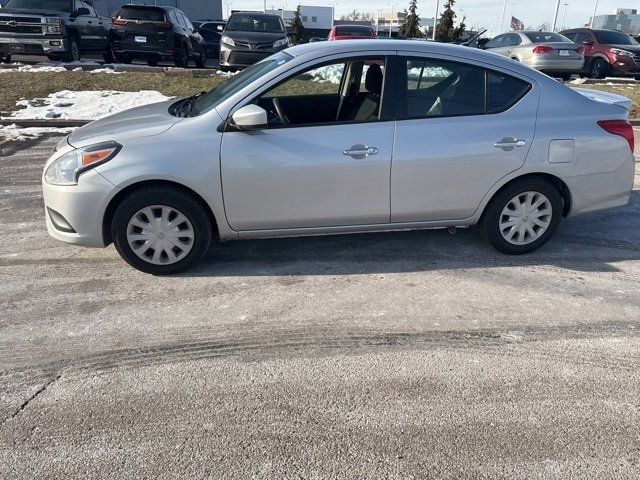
x=516 y=24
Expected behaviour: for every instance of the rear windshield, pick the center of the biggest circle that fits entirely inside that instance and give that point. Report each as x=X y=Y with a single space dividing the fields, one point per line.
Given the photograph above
x=56 y=5
x=254 y=23
x=141 y=13
x=353 y=31
x=543 y=37
x=614 y=38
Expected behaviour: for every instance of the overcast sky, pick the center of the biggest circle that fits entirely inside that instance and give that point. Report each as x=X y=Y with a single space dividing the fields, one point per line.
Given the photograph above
x=479 y=13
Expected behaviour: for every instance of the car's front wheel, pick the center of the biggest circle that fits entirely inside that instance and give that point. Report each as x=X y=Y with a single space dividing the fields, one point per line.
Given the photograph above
x=5 y=58
x=523 y=217
x=161 y=230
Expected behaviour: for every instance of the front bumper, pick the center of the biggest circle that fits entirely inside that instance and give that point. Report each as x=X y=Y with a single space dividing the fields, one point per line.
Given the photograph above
x=32 y=46
x=242 y=57
x=74 y=214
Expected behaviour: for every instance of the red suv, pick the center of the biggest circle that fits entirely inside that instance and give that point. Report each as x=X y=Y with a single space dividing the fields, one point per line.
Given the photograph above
x=351 y=32
x=607 y=52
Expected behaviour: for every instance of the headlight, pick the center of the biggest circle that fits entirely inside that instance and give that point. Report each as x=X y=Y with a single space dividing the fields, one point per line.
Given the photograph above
x=54 y=25
x=66 y=169
x=228 y=40
x=283 y=42
x=623 y=53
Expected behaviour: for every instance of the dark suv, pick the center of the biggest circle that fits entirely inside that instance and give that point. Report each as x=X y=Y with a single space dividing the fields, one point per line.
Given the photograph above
x=211 y=30
x=250 y=37
x=156 y=33
x=607 y=52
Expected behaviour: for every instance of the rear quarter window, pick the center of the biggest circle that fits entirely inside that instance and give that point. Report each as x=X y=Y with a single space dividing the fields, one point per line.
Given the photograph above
x=504 y=91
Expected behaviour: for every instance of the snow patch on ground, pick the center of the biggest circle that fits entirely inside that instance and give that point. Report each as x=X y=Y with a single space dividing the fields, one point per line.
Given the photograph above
x=68 y=105
x=578 y=81
x=13 y=133
x=34 y=69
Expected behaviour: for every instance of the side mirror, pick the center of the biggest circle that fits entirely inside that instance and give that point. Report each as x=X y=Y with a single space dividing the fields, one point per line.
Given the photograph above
x=82 y=12
x=250 y=117
x=220 y=28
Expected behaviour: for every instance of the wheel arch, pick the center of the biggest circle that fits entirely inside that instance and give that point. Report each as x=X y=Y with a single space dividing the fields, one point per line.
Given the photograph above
x=557 y=182
x=115 y=201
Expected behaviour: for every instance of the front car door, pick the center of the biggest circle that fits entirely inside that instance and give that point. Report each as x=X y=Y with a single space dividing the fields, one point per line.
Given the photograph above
x=324 y=160
x=462 y=128
x=99 y=40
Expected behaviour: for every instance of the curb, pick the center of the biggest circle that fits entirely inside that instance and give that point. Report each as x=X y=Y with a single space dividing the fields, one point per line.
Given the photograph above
x=37 y=123
x=120 y=68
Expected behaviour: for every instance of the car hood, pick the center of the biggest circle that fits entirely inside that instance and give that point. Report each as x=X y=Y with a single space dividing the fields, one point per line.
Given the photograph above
x=144 y=121
x=631 y=48
x=32 y=11
x=253 y=37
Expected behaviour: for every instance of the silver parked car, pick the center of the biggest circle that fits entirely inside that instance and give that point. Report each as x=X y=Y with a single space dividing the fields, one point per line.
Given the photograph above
x=548 y=52
x=336 y=137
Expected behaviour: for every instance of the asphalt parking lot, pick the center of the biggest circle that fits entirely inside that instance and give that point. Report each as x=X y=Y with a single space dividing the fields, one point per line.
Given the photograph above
x=397 y=355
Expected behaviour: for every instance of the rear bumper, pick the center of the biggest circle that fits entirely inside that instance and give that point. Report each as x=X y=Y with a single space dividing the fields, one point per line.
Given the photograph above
x=32 y=46
x=556 y=65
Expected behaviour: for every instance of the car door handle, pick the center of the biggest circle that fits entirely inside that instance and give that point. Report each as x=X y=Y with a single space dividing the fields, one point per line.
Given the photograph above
x=360 y=151
x=510 y=142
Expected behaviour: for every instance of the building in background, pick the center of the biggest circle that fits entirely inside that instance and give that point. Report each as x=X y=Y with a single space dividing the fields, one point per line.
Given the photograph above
x=390 y=21
x=624 y=19
x=317 y=21
x=194 y=9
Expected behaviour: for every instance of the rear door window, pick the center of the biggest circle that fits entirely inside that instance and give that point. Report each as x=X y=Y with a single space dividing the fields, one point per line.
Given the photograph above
x=439 y=88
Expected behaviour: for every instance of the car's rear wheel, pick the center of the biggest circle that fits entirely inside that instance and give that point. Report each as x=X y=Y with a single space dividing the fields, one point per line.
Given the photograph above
x=5 y=58
x=109 y=56
x=152 y=62
x=161 y=230
x=566 y=77
x=125 y=59
x=522 y=217
x=599 y=68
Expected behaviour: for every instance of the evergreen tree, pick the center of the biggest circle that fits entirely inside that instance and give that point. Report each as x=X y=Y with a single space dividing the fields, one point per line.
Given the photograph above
x=445 y=29
x=299 y=34
x=410 y=28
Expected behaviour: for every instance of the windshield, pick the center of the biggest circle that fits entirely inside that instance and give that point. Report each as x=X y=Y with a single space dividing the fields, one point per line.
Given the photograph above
x=58 y=5
x=614 y=38
x=542 y=37
x=350 y=31
x=214 y=97
x=254 y=23
x=142 y=13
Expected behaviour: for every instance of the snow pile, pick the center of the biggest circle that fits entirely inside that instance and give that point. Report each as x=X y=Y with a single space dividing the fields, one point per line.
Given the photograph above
x=84 y=105
x=12 y=133
x=328 y=74
x=104 y=70
x=429 y=72
x=35 y=69
x=578 y=81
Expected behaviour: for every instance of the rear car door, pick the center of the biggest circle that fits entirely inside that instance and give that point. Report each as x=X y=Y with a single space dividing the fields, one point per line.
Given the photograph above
x=324 y=162
x=460 y=129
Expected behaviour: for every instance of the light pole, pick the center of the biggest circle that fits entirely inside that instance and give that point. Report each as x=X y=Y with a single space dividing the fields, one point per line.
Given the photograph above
x=435 y=19
x=564 y=15
x=391 y=21
x=595 y=9
x=555 y=16
x=504 y=10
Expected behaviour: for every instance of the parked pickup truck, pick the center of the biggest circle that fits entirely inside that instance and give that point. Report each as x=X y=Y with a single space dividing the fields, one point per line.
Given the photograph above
x=60 y=29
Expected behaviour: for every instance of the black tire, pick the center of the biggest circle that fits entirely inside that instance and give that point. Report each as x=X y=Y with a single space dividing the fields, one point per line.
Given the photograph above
x=152 y=62
x=181 y=58
x=491 y=219
x=109 y=56
x=175 y=198
x=201 y=61
x=6 y=58
x=73 y=55
x=566 y=77
x=599 y=68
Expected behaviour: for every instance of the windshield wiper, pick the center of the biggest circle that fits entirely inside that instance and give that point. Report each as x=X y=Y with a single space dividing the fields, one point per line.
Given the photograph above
x=186 y=106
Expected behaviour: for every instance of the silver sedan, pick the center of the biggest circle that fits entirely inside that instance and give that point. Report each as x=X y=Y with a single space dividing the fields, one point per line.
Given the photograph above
x=548 y=52
x=339 y=137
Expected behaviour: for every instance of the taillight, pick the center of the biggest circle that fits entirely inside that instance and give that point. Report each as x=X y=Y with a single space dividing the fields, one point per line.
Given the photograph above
x=581 y=50
x=619 y=127
x=542 y=49
x=119 y=22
